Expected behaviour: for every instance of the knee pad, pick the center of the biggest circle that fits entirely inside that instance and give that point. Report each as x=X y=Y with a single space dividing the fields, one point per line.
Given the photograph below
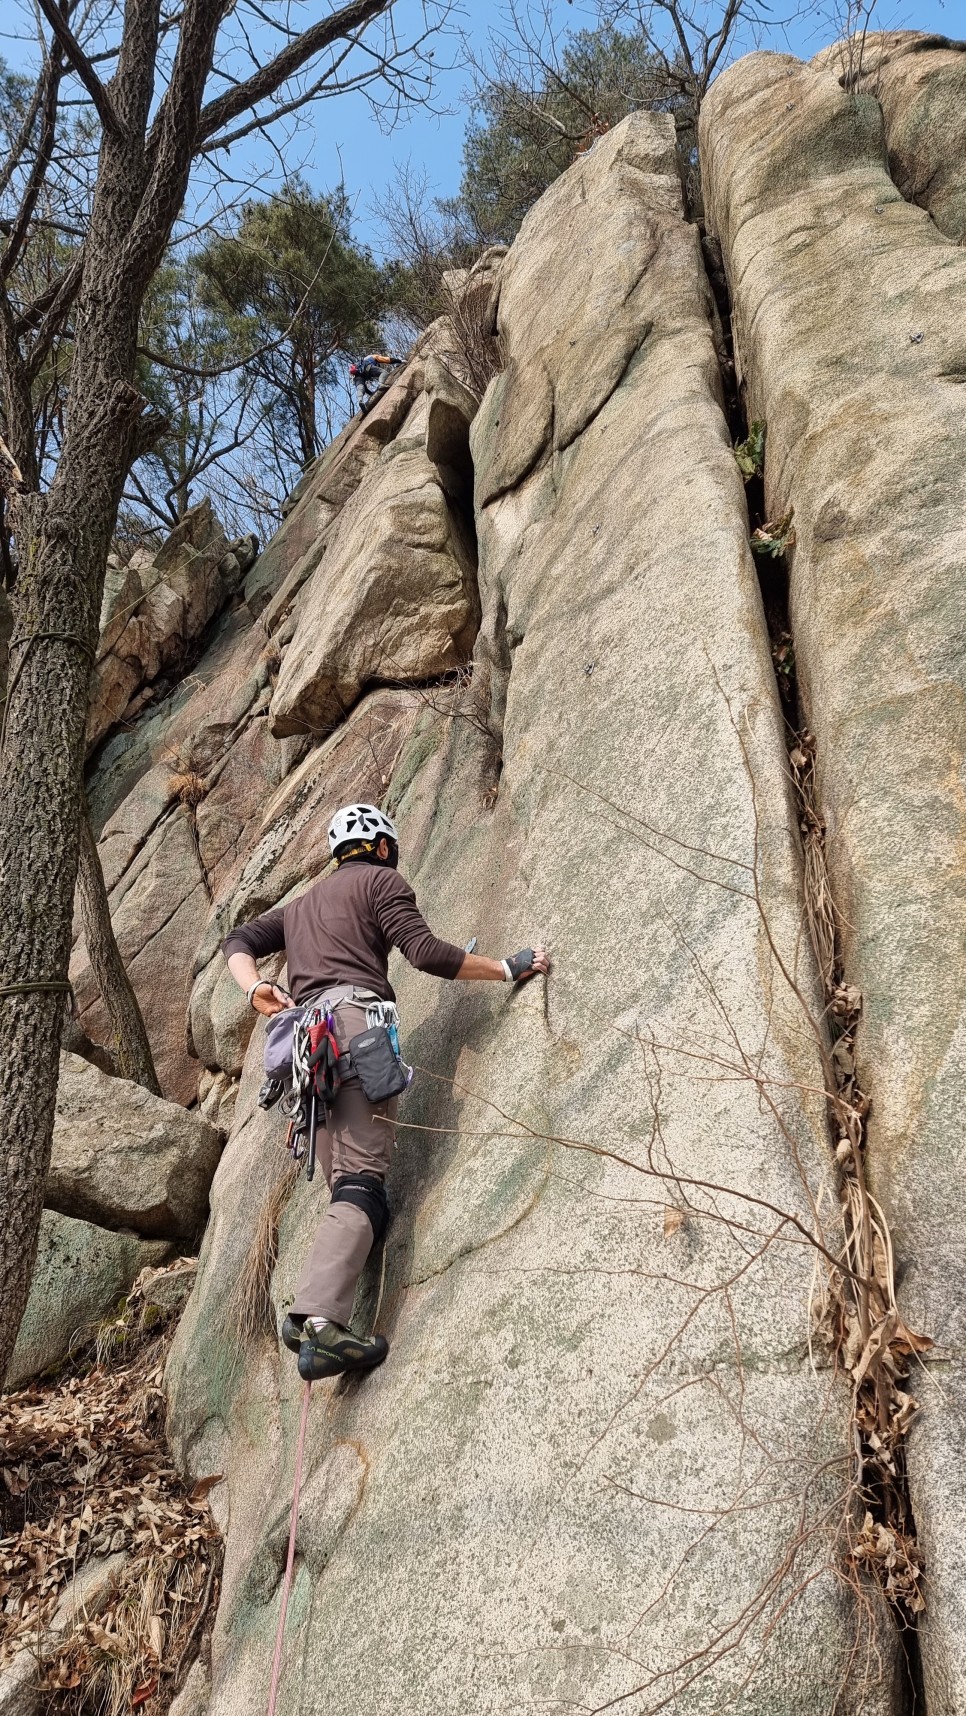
x=368 y=1193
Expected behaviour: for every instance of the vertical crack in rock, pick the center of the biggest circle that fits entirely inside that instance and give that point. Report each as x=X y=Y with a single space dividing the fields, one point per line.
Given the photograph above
x=468 y=692
x=869 y=1338
x=460 y=693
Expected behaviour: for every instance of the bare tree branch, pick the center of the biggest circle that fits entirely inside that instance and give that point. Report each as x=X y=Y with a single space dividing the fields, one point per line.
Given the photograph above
x=19 y=144
x=78 y=60
x=270 y=77
x=45 y=144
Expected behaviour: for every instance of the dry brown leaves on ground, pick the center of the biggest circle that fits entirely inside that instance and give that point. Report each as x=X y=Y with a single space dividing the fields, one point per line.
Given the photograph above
x=86 y=1473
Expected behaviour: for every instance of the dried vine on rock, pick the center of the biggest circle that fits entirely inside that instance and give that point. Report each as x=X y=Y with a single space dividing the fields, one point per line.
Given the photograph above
x=870 y=1337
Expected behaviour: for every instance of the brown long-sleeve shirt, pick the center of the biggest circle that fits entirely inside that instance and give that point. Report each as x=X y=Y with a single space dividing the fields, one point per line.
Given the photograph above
x=341 y=931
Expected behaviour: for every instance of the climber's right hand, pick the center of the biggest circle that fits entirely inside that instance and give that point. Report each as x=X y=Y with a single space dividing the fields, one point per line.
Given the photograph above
x=529 y=962
x=269 y=999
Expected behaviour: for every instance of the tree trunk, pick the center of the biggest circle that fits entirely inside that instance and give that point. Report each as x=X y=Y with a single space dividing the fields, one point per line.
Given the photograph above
x=6 y=624
x=50 y=654
x=130 y=1047
x=63 y=539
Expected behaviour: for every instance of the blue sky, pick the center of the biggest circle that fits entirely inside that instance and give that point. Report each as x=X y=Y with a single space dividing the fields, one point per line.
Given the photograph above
x=340 y=138
x=345 y=132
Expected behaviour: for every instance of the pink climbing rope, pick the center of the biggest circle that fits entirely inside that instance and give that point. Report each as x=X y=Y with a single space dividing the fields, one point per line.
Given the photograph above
x=290 y=1559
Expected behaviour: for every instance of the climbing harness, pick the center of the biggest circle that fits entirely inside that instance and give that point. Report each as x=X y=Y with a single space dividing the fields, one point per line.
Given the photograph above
x=305 y=1068
x=290 y=1557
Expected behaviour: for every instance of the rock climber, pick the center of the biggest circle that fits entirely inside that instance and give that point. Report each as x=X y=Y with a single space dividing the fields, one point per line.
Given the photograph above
x=369 y=374
x=336 y=938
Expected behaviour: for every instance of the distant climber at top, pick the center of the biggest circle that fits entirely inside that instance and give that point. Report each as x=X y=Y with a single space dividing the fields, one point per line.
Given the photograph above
x=337 y=938
x=369 y=373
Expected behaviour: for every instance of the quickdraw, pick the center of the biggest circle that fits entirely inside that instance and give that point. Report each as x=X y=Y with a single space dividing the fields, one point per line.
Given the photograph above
x=315 y=1079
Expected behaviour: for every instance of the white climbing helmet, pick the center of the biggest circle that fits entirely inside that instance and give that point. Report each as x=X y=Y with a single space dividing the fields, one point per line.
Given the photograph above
x=359 y=822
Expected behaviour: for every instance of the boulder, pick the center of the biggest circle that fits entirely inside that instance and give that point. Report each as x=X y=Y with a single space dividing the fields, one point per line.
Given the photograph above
x=86 y=1595
x=79 y=1274
x=166 y=1290
x=599 y=1376
x=849 y=327
x=193 y=1698
x=126 y=1159
x=84 y=1598
x=394 y=599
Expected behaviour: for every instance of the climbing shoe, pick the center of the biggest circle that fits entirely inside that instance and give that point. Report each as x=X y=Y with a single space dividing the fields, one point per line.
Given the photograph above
x=292 y=1331
x=328 y=1348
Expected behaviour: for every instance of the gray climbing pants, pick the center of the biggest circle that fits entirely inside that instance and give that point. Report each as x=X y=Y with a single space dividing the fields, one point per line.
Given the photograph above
x=357 y=1139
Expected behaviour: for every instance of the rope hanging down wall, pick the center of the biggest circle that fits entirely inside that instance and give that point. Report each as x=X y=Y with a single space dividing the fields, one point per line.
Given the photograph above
x=290 y=1558
x=58 y=984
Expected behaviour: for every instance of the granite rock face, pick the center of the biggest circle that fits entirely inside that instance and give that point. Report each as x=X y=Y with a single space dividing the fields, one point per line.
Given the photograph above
x=20 y=1693
x=325 y=487
x=199 y=788
x=919 y=83
x=392 y=601
x=848 y=324
x=588 y=1366
x=156 y=606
